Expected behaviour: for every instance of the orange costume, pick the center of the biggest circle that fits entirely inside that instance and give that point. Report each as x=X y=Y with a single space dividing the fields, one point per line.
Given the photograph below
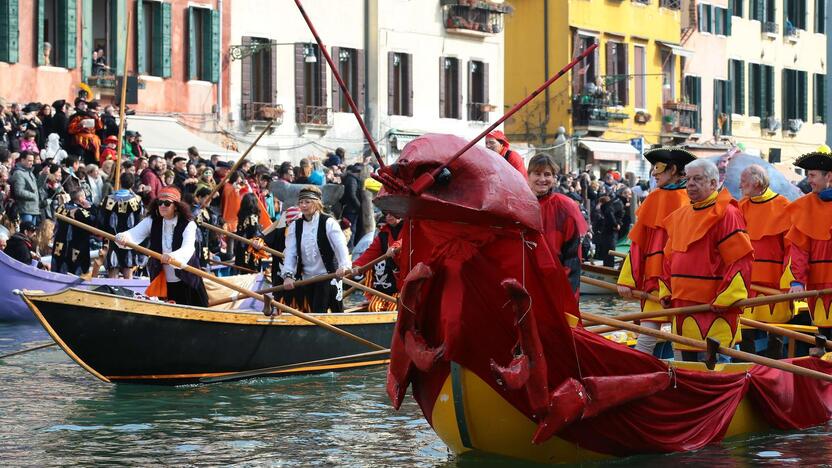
x=708 y=260
x=767 y=221
x=231 y=199
x=86 y=137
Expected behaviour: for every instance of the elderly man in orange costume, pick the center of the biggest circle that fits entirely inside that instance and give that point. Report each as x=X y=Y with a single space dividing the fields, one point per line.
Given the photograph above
x=809 y=261
x=643 y=266
x=765 y=216
x=707 y=260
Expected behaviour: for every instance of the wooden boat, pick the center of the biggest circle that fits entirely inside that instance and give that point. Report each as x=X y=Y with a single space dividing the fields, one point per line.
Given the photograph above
x=599 y=272
x=121 y=339
x=16 y=275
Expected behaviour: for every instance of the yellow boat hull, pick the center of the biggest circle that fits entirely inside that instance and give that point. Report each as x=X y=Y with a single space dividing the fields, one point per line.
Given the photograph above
x=469 y=415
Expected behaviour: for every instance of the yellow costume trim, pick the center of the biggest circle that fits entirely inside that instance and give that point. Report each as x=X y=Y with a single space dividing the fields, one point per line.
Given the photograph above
x=787 y=278
x=765 y=196
x=708 y=201
x=735 y=291
x=625 y=278
x=664 y=290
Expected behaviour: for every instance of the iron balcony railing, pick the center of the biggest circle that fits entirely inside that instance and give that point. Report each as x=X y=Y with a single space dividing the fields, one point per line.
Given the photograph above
x=314 y=115
x=262 y=111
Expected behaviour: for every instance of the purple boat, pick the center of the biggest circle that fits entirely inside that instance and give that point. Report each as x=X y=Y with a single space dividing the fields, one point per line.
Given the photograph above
x=16 y=275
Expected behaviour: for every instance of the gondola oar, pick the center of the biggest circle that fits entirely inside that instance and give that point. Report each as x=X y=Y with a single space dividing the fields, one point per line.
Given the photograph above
x=24 y=351
x=227 y=284
x=231 y=265
x=637 y=295
x=618 y=254
x=219 y=230
x=239 y=162
x=748 y=357
x=290 y=367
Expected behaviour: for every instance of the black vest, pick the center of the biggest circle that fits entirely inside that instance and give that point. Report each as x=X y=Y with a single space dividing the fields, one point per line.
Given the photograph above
x=385 y=271
x=324 y=247
x=154 y=267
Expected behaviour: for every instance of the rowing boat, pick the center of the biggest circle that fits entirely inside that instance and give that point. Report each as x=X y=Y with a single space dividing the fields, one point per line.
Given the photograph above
x=122 y=339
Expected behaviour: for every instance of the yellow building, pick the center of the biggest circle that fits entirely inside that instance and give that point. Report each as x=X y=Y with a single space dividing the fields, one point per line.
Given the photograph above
x=632 y=87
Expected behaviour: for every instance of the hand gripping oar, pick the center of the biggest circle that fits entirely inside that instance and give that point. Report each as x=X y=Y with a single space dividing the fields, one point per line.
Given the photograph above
x=763 y=361
x=316 y=279
x=290 y=367
x=239 y=161
x=637 y=295
x=227 y=284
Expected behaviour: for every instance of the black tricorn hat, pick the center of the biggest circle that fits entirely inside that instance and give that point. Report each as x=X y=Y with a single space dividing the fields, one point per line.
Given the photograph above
x=668 y=155
x=815 y=160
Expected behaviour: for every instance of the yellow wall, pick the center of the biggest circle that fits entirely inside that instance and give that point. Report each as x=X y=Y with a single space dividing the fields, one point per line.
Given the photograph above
x=613 y=20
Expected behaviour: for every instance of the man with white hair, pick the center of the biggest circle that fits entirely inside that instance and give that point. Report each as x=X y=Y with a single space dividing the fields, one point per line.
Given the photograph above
x=809 y=260
x=707 y=260
x=765 y=216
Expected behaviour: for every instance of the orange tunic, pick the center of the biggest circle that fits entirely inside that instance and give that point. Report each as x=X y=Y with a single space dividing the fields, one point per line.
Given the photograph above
x=643 y=266
x=809 y=258
x=767 y=222
x=708 y=260
x=230 y=206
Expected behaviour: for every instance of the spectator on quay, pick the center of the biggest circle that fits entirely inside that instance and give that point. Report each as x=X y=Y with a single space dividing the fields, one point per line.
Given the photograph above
x=25 y=189
x=180 y=172
x=5 y=128
x=351 y=199
x=29 y=142
x=53 y=149
x=20 y=245
x=69 y=177
x=99 y=61
x=127 y=147
x=302 y=175
x=5 y=189
x=83 y=126
x=108 y=169
x=194 y=157
x=60 y=122
x=335 y=159
x=205 y=179
x=49 y=182
x=625 y=198
x=150 y=177
x=108 y=153
x=96 y=183
x=496 y=141
x=138 y=149
x=215 y=159
x=108 y=119
x=606 y=228
x=189 y=185
x=140 y=165
x=169 y=178
x=45 y=115
x=268 y=199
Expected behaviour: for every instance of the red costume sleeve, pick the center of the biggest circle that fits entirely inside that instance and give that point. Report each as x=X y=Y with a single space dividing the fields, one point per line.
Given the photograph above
x=372 y=252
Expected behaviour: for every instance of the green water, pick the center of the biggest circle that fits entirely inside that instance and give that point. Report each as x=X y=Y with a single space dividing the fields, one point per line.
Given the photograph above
x=55 y=413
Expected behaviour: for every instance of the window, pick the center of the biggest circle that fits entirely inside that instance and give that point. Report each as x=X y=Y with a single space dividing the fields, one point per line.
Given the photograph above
x=203 y=44
x=706 y=19
x=722 y=107
x=639 y=80
x=762 y=10
x=310 y=84
x=736 y=75
x=8 y=31
x=258 y=83
x=477 y=91
x=820 y=16
x=693 y=95
x=722 y=21
x=586 y=71
x=760 y=90
x=669 y=76
x=617 y=79
x=819 y=94
x=56 y=32
x=794 y=14
x=153 y=32
x=736 y=7
x=350 y=64
x=399 y=84
x=450 y=88
x=795 y=95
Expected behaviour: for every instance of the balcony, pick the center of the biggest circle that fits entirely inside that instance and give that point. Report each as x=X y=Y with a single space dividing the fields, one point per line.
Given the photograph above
x=479 y=18
x=314 y=116
x=671 y=4
x=478 y=111
x=680 y=118
x=106 y=83
x=770 y=28
x=261 y=112
x=790 y=32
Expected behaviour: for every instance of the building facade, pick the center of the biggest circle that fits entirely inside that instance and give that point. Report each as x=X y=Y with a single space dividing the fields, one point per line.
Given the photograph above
x=412 y=68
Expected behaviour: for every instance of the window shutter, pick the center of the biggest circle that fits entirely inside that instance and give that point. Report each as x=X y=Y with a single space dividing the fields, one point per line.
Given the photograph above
x=761 y=10
x=320 y=67
x=273 y=74
x=741 y=88
x=40 y=16
x=69 y=27
x=803 y=95
x=118 y=35
x=470 y=91
x=164 y=41
x=485 y=91
x=442 y=97
x=718 y=21
x=9 y=31
x=212 y=37
x=141 y=47
x=625 y=99
x=86 y=40
x=300 y=110
x=701 y=22
x=460 y=76
x=610 y=69
x=336 y=102
x=697 y=96
x=391 y=80
x=192 y=44
x=728 y=15
x=409 y=76
x=245 y=80
x=362 y=80
x=763 y=92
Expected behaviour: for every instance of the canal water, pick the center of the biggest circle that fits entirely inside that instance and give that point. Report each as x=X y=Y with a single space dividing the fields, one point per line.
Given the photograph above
x=53 y=413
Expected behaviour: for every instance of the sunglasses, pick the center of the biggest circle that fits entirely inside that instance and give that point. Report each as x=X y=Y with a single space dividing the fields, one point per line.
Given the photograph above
x=166 y=203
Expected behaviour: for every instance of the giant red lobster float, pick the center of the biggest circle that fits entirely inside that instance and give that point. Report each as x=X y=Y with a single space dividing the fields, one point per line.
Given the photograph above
x=490 y=337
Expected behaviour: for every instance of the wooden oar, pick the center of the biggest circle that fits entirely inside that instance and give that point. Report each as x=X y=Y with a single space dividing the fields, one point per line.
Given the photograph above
x=239 y=162
x=231 y=265
x=227 y=284
x=24 y=351
x=765 y=290
x=240 y=238
x=748 y=357
x=290 y=367
x=745 y=321
x=316 y=279
x=618 y=254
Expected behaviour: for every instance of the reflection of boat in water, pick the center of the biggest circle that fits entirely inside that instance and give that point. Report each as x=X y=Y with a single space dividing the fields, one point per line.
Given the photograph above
x=16 y=275
x=121 y=339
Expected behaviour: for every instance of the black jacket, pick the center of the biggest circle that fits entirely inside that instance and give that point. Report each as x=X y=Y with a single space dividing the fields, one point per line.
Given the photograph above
x=19 y=248
x=352 y=194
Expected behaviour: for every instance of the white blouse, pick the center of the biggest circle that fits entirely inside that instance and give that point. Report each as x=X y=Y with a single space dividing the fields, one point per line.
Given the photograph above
x=141 y=231
x=313 y=264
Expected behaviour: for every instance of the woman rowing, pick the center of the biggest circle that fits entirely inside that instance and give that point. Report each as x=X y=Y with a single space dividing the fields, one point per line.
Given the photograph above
x=384 y=275
x=315 y=245
x=172 y=233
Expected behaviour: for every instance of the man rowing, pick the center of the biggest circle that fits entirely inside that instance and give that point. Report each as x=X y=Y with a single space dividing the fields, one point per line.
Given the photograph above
x=809 y=259
x=708 y=259
x=765 y=216
x=643 y=266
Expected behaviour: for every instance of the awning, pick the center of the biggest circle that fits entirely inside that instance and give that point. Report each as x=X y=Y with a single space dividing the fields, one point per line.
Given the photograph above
x=401 y=139
x=676 y=49
x=610 y=150
x=160 y=134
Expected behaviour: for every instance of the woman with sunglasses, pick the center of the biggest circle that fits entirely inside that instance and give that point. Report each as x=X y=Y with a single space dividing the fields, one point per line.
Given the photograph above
x=384 y=276
x=172 y=233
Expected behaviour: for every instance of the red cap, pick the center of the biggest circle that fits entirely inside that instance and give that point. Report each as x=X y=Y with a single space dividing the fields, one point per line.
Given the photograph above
x=170 y=193
x=111 y=139
x=499 y=136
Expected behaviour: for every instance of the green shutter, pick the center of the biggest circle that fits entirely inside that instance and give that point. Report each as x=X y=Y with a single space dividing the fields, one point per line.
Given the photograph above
x=161 y=57
x=212 y=37
x=118 y=36
x=728 y=15
x=701 y=23
x=803 y=95
x=39 y=57
x=86 y=40
x=8 y=31
x=763 y=92
x=141 y=46
x=741 y=88
x=192 y=16
x=68 y=33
